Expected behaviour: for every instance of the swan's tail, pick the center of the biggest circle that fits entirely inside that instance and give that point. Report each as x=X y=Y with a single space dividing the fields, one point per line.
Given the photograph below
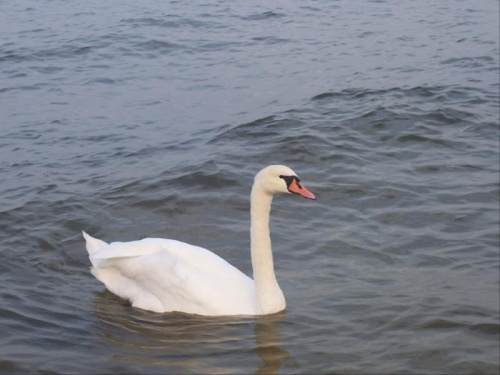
x=93 y=244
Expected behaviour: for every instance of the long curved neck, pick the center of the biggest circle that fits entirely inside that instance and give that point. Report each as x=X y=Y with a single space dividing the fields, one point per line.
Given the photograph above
x=269 y=296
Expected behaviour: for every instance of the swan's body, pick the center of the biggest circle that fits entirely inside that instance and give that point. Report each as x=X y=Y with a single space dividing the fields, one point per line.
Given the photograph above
x=166 y=275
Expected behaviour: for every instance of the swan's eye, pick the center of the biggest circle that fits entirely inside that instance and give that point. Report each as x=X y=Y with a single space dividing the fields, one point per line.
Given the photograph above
x=290 y=179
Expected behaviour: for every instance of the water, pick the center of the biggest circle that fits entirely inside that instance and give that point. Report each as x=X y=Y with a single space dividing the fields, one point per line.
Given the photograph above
x=132 y=119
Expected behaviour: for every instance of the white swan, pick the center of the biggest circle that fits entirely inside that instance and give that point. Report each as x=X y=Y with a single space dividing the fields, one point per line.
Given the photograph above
x=166 y=275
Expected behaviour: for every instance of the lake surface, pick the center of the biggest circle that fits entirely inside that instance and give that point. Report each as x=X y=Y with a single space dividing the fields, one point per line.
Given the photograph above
x=129 y=119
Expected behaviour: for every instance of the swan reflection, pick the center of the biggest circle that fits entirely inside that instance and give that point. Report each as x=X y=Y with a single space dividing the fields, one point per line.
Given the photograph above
x=267 y=337
x=189 y=343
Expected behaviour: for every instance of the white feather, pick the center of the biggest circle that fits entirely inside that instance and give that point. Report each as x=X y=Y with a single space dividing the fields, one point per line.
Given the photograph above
x=164 y=275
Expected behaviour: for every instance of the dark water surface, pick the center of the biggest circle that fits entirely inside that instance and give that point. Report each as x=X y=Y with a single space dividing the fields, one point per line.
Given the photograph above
x=131 y=119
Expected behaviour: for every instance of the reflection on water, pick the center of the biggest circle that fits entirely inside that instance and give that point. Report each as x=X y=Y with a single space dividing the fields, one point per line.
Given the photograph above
x=188 y=342
x=267 y=337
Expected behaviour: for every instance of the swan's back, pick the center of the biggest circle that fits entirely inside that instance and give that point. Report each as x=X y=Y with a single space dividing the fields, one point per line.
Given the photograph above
x=166 y=275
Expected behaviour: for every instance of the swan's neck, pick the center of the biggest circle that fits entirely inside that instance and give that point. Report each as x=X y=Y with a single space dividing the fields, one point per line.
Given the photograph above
x=269 y=296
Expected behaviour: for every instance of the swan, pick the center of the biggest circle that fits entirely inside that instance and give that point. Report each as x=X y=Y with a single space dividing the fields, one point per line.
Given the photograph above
x=164 y=275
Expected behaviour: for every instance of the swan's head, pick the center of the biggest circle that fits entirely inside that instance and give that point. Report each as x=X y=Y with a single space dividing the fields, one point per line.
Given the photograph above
x=281 y=179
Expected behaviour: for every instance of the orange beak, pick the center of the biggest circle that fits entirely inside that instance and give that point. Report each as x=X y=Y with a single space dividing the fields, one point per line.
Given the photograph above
x=299 y=189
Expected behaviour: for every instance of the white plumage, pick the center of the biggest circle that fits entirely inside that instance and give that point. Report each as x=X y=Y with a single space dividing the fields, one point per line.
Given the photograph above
x=163 y=275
